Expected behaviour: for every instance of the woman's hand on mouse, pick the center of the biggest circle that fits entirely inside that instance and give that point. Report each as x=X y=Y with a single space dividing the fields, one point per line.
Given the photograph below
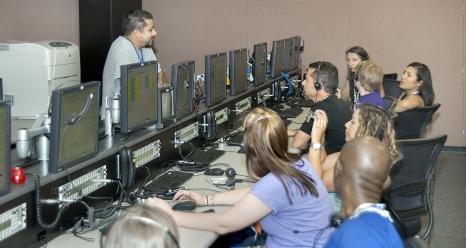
x=191 y=196
x=159 y=203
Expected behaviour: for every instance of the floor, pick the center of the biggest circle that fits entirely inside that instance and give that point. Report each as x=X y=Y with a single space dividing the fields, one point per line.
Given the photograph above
x=449 y=201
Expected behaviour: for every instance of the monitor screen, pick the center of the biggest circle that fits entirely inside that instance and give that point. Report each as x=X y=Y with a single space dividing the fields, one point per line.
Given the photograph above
x=260 y=63
x=138 y=101
x=215 y=78
x=74 y=131
x=288 y=55
x=277 y=58
x=238 y=71
x=183 y=88
x=296 y=52
x=5 y=125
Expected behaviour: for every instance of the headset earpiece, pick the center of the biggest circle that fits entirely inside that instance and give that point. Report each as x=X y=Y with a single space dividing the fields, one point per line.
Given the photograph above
x=317 y=84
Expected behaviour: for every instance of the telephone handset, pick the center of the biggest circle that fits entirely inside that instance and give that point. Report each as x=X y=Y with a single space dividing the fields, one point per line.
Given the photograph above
x=126 y=168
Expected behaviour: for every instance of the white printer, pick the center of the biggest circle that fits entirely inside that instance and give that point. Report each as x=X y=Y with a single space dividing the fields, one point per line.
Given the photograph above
x=32 y=70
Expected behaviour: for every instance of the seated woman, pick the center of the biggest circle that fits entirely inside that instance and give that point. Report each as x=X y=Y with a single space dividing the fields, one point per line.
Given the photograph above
x=142 y=226
x=353 y=56
x=288 y=199
x=369 y=78
x=416 y=82
x=367 y=121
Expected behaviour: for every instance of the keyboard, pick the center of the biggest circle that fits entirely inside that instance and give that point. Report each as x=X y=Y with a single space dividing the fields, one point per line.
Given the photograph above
x=205 y=156
x=170 y=180
x=290 y=112
x=300 y=102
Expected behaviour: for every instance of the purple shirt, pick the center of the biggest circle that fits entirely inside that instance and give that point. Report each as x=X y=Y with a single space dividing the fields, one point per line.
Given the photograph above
x=299 y=224
x=372 y=98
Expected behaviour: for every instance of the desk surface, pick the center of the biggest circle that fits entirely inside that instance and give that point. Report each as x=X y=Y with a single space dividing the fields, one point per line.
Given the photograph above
x=199 y=182
x=188 y=237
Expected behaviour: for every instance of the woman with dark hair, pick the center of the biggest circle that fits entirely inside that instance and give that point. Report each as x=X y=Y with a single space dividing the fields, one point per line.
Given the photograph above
x=288 y=199
x=416 y=82
x=367 y=120
x=353 y=56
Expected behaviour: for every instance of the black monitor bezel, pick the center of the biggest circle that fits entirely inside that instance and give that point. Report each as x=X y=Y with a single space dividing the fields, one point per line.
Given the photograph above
x=276 y=67
x=5 y=179
x=288 y=55
x=208 y=84
x=57 y=94
x=176 y=85
x=236 y=89
x=296 y=58
x=124 y=126
x=263 y=67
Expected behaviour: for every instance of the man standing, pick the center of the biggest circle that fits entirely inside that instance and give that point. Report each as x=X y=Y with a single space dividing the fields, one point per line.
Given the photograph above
x=133 y=47
x=360 y=174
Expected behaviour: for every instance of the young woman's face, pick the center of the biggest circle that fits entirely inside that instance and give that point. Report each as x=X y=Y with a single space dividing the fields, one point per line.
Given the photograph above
x=352 y=60
x=352 y=127
x=409 y=79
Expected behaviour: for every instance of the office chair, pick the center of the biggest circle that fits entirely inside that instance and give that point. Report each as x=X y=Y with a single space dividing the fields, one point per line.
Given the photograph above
x=388 y=102
x=391 y=88
x=392 y=76
x=409 y=195
x=411 y=124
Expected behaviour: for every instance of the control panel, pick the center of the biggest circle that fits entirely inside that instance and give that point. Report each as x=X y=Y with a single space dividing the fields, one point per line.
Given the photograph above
x=243 y=105
x=146 y=153
x=186 y=134
x=221 y=116
x=12 y=221
x=83 y=185
x=264 y=95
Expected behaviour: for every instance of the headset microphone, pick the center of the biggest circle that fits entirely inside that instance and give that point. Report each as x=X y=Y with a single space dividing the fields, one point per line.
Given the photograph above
x=81 y=115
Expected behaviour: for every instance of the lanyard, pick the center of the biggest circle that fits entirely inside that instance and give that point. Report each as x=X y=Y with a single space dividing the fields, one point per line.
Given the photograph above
x=138 y=52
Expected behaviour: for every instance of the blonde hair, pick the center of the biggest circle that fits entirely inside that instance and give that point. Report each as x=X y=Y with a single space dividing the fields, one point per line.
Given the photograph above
x=376 y=122
x=370 y=75
x=143 y=226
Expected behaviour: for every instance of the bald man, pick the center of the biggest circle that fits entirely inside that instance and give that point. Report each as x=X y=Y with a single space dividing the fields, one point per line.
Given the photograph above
x=360 y=174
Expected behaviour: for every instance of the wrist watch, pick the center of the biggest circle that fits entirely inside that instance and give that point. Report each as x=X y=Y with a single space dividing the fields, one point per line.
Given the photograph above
x=316 y=146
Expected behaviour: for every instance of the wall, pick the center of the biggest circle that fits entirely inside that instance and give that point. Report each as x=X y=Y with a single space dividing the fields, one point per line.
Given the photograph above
x=396 y=34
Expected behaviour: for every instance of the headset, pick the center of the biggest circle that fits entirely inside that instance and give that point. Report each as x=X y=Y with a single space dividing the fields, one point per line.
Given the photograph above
x=317 y=84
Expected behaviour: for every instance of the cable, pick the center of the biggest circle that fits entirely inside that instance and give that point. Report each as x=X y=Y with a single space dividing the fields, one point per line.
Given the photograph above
x=54 y=223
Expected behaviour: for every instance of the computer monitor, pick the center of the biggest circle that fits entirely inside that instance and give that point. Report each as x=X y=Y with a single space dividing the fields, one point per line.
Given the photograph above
x=238 y=71
x=296 y=52
x=215 y=78
x=138 y=100
x=277 y=58
x=5 y=126
x=183 y=88
x=260 y=63
x=288 y=55
x=74 y=131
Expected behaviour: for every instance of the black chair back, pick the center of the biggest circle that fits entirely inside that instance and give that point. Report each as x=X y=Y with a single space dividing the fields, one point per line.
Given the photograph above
x=392 y=88
x=392 y=76
x=388 y=102
x=409 y=195
x=411 y=124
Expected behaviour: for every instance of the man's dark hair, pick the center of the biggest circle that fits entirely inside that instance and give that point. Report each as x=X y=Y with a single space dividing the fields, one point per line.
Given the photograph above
x=327 y=75
x=135 y=19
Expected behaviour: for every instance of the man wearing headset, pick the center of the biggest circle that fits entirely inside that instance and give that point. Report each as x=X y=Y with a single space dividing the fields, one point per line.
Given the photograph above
x=320 y=86
x=133 y=47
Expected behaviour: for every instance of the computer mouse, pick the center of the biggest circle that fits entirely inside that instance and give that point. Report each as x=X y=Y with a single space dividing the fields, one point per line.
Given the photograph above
x=184 y=206
x=214 y=172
